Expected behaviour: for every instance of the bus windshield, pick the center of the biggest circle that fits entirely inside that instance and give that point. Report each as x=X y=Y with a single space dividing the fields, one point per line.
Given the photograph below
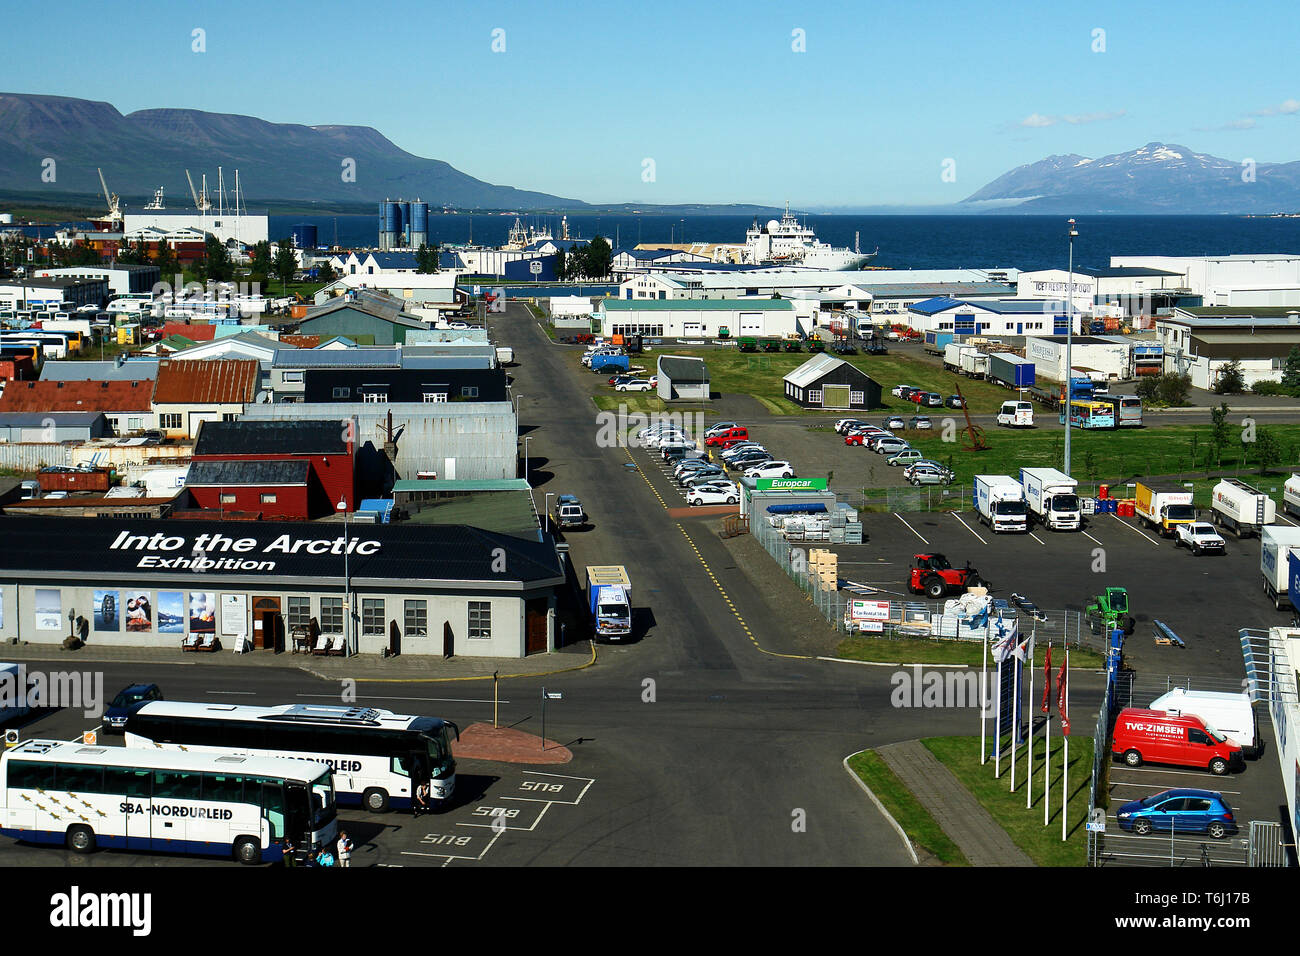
x=322 y=800
x=439 y=748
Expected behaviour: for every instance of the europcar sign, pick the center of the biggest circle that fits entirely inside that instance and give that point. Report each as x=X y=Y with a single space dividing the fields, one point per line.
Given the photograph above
x=791 y=484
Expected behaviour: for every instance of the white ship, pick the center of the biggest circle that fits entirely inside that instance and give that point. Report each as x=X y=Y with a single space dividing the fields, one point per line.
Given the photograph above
x=788 y=242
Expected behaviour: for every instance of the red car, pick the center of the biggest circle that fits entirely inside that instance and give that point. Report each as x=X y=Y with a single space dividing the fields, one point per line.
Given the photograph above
x=729 y=437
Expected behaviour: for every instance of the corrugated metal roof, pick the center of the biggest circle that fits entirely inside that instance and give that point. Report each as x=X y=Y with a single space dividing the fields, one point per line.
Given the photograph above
x=57 y=370
x=249 y=437
x=207 y=381
x=684 y=370
x=222 y=473
x=358 y=357
x=939 y=303
x=813 y=369
x=458 y=485
x=60 y=419
x=504 y=512
x=57 y=396
x=697 y=305
x=193 y=332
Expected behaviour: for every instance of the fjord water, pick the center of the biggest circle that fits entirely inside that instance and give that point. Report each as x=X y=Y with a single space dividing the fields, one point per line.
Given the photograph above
x=905 y=242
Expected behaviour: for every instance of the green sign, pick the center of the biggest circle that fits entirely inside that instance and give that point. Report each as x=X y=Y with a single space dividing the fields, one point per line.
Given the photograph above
x=791 y=484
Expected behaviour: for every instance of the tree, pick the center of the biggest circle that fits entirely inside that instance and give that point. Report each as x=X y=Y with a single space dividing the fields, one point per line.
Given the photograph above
x=217 y=266
x=1291 y=370
x=260 y=260
x=166 y=260
x=1172 y=389
x=1221 y=432
x=426 y=260
x=1231 y=381
x=559 y=265
x=1268 y=449
x=286 y=263
x=598 y=257
x=324 y=271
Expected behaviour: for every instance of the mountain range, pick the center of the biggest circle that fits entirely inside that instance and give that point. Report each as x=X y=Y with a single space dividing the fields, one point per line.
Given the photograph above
x=305 y=167
x=1155 y=178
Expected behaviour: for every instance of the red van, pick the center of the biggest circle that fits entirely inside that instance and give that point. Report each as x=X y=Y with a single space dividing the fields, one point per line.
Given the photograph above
x=1158 y=737
x=729 y=437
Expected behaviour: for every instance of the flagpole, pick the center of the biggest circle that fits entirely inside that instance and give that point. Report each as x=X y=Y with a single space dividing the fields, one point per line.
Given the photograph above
x=984 y=692
x=1047 y=749
x=1015 y=721
x=1029 y=779
x=1065 y=767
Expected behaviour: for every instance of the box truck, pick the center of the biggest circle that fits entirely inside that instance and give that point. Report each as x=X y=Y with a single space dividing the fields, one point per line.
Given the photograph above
x=1236 y=505
x=1291 y=496
x=609 y=601
x=1275 y=543
x=1162 y=507
x=1000 y=503
x=936 y=342
x=974 y=363
x=1051 y=498
x=952 y=353
x=1010 y=370
x=1232 y=715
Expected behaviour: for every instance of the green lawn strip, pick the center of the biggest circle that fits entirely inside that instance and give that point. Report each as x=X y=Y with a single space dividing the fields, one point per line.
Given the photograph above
x=915 y=819
x=912 y=651
x=1043 y=844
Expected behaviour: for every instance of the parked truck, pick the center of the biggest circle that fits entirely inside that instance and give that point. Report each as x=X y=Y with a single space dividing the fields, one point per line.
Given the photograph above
x=609 y=601
x=952 y=353
x=1291 y=496
x=1000 y=503
x=1010 y=370
x=1051 y=498
x=974 y=363
x=1275 y=544
x=936 y=342
x=1241 y=507
x=1162 y=507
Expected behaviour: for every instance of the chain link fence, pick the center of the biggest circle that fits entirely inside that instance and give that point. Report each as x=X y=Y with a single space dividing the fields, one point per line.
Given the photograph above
x=923 y=498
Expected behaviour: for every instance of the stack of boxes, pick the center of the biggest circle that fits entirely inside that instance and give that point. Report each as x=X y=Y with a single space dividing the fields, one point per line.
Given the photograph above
x=824 y=568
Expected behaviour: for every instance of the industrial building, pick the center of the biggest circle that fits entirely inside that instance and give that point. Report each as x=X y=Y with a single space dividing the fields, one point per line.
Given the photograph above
x=682 y=378
x=373 y=314
x=1200 y=341
x=403 y=224
x=685 y=282
x=53 y=426
x=414 y=588
x=52 y=293
x=1123 y=292
x=462 y=440
x=187 y=394
x=1109 y=357
x=128 y=404
x=123 y=279
x=1242 y=281
x=405 y=385
x=988 y=317
x=697 y=318
x=825 y=381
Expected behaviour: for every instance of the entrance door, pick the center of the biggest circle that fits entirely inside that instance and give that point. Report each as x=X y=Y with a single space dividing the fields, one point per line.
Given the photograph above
x=835 y=396
x=268 y=628
x=448 y=640
x=394 y=639
x=692 y=329
x=535 y=626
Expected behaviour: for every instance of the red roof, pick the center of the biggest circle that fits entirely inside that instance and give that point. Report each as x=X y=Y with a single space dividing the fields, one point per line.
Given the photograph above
x=195 y=333
x=206 y=381
x=300 y=341
x=129 y=396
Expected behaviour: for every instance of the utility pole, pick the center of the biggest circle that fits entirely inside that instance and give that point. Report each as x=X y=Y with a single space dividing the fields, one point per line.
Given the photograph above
x=1069 y=342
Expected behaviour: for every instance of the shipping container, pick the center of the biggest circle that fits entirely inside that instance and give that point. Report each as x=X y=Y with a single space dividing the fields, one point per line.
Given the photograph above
x=75 y=479
x=1010 y=370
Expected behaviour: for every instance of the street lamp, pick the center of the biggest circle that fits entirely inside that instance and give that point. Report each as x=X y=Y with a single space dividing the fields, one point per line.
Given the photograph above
x=347 y=596
x=517 y=397
x=546 y=511
x=527 y=439
x=1069 y=341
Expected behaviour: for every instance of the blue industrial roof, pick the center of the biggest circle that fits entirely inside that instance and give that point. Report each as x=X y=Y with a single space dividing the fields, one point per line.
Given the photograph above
x=939 y=303
x=1123 y=272
x=394 y=260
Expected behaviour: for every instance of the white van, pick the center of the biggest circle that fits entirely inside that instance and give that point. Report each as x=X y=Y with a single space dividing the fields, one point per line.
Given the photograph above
x=1232 y=715
x=1016 y=414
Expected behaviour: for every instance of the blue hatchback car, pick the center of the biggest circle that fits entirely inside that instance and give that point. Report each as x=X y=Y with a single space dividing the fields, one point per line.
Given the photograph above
x=125 y=702
x=1185 y=811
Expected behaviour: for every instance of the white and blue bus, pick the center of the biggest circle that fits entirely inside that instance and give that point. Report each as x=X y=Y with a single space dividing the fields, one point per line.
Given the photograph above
x=379 y=758
x=85 y=796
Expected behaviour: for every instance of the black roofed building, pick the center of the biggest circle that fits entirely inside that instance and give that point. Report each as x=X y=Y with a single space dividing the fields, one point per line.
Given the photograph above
x=825 y=381
x=416 y=589
x=400 y=385
x=683 y=377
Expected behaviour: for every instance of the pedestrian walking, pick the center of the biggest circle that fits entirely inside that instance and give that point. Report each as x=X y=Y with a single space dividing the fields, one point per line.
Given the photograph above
x=345 y=849
x=422 y=804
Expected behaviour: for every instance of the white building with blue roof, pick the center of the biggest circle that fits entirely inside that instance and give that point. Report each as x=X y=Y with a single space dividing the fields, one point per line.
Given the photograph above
x=988 y=317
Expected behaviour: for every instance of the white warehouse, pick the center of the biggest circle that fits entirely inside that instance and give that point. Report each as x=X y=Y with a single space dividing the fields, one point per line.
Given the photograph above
x=1241 y=280
x=697 y=318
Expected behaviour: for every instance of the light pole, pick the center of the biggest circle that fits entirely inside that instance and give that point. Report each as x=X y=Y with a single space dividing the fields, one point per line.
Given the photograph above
x=527 y=439
x=546 y=511
x=1069 y=342
x=347 y=596
x=517 y=397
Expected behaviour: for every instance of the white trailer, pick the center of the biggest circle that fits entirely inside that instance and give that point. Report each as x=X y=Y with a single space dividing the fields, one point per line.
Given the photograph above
x=1000 y=503
x=1051 y=497
x=164 y=482
x=1275 y=544
x=952 y=353
x=974 y=363
x=1291 y=496
x=1241 y=507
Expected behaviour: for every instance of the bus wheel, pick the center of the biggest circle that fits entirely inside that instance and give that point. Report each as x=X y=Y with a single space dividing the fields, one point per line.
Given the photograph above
x=81 y=839
x=376 y=800
x=248 y=850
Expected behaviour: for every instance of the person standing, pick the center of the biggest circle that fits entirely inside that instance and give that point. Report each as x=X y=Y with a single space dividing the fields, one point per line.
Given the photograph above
x=345 y=849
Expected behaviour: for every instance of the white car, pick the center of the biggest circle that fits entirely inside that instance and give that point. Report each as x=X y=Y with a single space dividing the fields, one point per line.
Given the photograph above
x=713 y=494
x=900 y=390
x=719 y=427
x=773 y=469
x=738 y=449
x=667 y=438
x=890 y=446
x=908 y=456
x=636 y=385
x=1198 y=537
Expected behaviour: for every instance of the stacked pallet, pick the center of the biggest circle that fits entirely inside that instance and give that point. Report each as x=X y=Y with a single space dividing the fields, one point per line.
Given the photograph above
x=824 y=568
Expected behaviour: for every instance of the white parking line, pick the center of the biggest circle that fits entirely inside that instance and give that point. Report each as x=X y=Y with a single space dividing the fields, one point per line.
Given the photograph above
x=1144 y=786
x=1038 y=539
x=968 y=527
x=1135 y=531
x=909 y=527
x=1089 y=537
x=1282 y=517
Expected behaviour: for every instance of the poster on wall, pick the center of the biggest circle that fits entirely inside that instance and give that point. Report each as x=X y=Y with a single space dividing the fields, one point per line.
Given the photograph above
x=234 y=614
x=139 y=612
x=49 y=609
x=171 y=612
x=203 y=612
x=107 y=610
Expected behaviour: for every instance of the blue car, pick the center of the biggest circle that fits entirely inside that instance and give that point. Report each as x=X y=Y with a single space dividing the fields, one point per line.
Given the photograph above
x=1185 y=811
x=126 y=702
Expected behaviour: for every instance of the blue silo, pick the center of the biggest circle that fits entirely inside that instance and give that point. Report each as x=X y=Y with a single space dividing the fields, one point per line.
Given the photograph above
x=419 y=233
x=304 y=236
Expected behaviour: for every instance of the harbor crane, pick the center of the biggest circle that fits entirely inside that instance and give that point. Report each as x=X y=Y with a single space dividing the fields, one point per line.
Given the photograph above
x=114 y=203
x=201 y=202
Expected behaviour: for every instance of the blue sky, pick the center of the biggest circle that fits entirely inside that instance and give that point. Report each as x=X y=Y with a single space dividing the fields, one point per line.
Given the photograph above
x=714 y=93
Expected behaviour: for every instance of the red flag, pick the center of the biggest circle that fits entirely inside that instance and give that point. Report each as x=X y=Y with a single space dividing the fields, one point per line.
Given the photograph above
x=1062 y=696
x=1047 y=680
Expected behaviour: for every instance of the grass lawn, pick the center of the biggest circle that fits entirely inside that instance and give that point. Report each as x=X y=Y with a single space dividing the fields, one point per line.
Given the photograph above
x=913 y=651
x=1102 y=455
x=915 y=820
x=1043 y=844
